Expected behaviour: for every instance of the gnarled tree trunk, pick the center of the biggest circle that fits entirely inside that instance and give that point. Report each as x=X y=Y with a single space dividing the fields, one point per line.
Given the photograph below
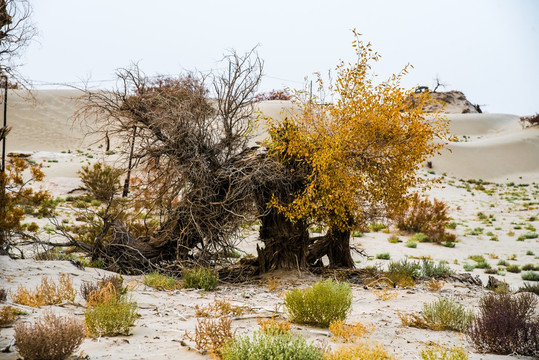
x=336 y=245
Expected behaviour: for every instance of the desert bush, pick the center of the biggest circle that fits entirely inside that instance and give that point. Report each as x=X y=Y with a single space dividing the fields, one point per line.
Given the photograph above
x=532 y=120
x=200 y=278
x=529 y=267
x=437 y=352
x=360 y=351
x=47 y=293
x=426 y=217
x=88 y=289
x=506 y=324
x=349 y=333
x=446 y=314
x=529 y=287
x=320 y=304
x=402 y=273
x=212 y=334
x=272 y=326
x=384 y=294
x=101 y=181
x=8 y=315
x=383 y=256
x=430 y=270
x=434 y=285
x=410 y=244
x=530 y=276
x=268 y=346
x=51 y=337
x=160 y=282
x=110 y=315
x=219 y=308
x=513 y=268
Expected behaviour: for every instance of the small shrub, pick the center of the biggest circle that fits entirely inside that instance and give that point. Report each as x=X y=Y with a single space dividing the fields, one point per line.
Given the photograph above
x=219 y=308
x=506 y=325
x=47 y=293
x=200 y=278
x=410 y=244
x=101 y=181
x=272 y=284
x=528 y=235
x=513 y=268
x=529 y=267
x=438 y=352
x=265 y=346
x=434 y=285
x=503 y=263
x=360 y=351
x=402 y=273
x=424 y=216
x=8 y=315
x=530 y=253
x=468 y=267
x=530 y=276
x=430 y=270
x=446 y=314
x=375 y=227
x=529 y=287
x=393 y=240
x=320 y=304
x=385 y=294
x=383 y=256
x=451 y=225
x=481 y=216
x=111 y=317
x=272 y=326
x=88 y=289
x=349 y=333
x=160 y=282
x=420 y=237
x=49 y=338
x=212 y=334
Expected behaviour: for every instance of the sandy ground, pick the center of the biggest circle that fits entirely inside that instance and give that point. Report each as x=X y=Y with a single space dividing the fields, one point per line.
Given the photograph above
x=491 y=147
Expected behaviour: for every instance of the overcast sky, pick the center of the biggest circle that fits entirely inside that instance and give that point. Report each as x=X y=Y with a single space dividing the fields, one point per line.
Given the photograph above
x=489 y=49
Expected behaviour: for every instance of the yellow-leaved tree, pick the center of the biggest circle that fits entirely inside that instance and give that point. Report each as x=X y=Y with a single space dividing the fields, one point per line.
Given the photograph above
x=358 y=155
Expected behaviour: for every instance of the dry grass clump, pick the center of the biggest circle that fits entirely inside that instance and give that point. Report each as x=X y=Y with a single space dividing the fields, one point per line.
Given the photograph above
x=219 y=308
x=426 y=217
x=270 y=346
x=8 y=315
x=320 y=304
x=385 y=294
x=200 y=278
x=438 y=352
x=434 y=285
x=109 y=313
x=160 y=282
x=274 y=326
x=47 y=293
x=360 y=351
x=49 y=338
x=272 y=284
x=113 y=283
x=349 y=333
x=441 y=314
x=212 y=334
x=506 y=324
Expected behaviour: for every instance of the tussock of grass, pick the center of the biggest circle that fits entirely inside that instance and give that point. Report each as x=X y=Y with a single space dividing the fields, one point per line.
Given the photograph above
x=200 y=278
x=47 y=293
x=160 y=282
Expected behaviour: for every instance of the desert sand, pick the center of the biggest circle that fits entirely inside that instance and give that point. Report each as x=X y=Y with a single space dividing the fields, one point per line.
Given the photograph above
x=491 y=147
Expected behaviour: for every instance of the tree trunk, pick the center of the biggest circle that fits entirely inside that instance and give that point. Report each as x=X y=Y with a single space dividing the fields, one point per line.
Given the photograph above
x=285 y=243
x=336 y=245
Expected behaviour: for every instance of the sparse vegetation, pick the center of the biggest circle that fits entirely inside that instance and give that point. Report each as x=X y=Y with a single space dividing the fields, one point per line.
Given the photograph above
x=8 y=315
x=51 y=337
x=363 y=350
x=211 y=334
x=160 y=282
x=442 y=314
x=437 y=352
x=47 y=293
x=349 y=333
x=319 y=304
x=530 y=276
x=200 y=278
x=383 y=256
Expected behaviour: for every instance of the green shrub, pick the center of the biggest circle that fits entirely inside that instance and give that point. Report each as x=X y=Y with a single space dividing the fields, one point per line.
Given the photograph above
x=51 y=337
x=268 y=346
x=503 y=263
x=376 y=227
x=101 y=181
x=200 y=278
x=528 y=235
x=438 y=352
x=529 y=287
x=468 y=267
x=530 y=276
x=112 y=317
x=451 y=225
x=529 y=267
x=159 y=282
x=393 y=239
x=529 y=252
x=410 y=244
x=402 y=273
x=513 y=268
x=320 y=304
x=420 y=237
x=446 y=314
x=383 y=256
x=431 y=270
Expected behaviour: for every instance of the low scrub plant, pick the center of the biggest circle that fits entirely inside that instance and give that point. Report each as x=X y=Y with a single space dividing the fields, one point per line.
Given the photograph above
x=47 y=293
x=268 y=346
x=212 y=334
x=109 y=314
x=402 y=273
x=219 y=308
x=272 y=326
x=530 y=276
x=349 y=333
x=200 y=278
x=89 y=290
x=160 y=282
x=441 y=314
x=410 y=244
x=101 y=181
x=320 y=304
x=530 y=267
x=439 y=352
x=362 y=350
x=513 y=268
x=383 y=256
x=529 y=287
x=431 y=270
x=51 y=337
x=506 y=324
x=8 y=315
x=426 y=217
